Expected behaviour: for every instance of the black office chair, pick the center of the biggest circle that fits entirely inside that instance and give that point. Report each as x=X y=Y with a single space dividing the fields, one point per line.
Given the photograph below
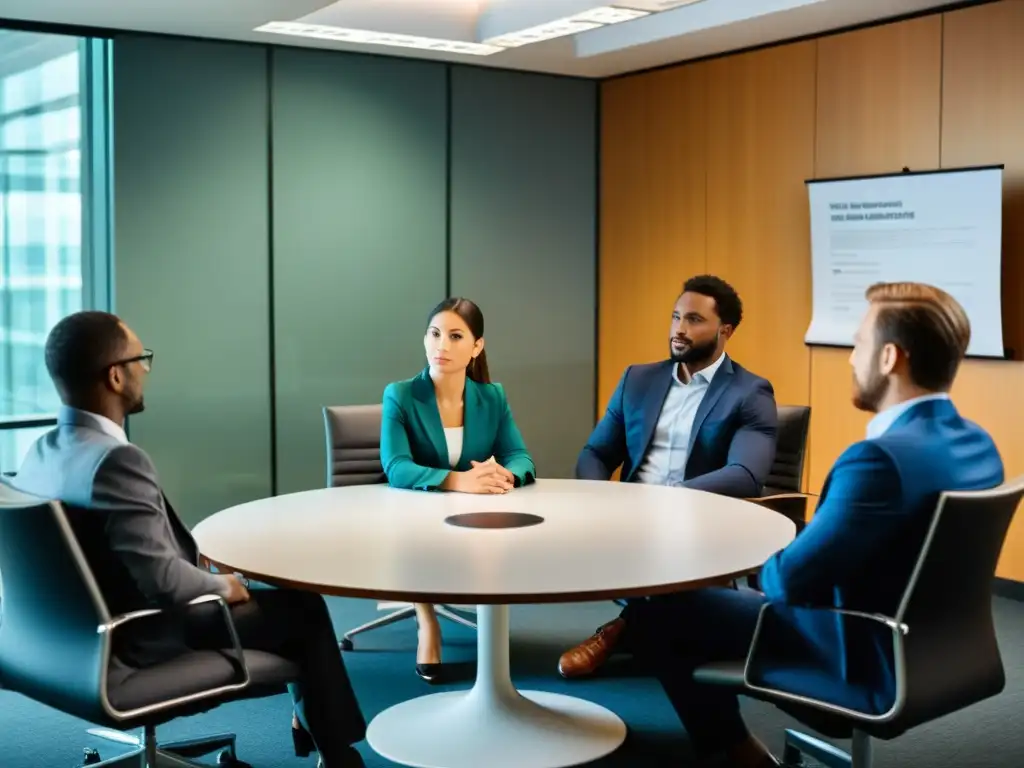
x=782 y=491
x=56 y=635
x=353 y=458
x=944 y=643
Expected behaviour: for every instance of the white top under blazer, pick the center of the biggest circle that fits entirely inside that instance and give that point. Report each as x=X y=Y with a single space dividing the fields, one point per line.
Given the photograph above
x=453 y=437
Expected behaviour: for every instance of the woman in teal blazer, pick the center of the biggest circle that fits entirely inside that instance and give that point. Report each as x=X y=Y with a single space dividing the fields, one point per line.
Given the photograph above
x=451 y=429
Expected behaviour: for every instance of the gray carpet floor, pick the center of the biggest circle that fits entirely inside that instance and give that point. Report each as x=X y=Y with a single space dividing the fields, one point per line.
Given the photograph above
x=988 y=735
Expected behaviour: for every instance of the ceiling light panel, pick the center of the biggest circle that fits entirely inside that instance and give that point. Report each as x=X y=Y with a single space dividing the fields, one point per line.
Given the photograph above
x=542 y=32
x=572 y=25
x=610 y=15
x=368 y=37
x=656 y=6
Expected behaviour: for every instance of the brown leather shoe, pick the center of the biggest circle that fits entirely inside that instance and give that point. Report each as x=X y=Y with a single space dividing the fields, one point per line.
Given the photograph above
x=586 y=657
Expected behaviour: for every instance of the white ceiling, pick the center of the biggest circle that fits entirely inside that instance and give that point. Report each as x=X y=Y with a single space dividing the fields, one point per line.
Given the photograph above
x=690 y=31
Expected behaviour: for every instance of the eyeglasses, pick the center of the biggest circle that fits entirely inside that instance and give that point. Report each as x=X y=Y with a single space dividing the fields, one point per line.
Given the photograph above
x=146 y=358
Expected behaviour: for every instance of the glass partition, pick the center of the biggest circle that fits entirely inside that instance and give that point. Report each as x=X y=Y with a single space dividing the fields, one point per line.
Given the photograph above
x=54 y=213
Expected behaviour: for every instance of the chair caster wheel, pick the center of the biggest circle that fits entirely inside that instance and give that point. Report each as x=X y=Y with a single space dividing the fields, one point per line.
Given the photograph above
x=89 y=757
x=227 y=759
x=346 y=644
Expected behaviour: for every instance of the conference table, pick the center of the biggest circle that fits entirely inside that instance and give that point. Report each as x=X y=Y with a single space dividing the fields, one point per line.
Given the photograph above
x=554 y=541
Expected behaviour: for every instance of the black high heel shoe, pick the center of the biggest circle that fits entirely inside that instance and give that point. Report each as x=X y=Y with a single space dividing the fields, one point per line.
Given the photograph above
x=302 y=741
x=430 y=672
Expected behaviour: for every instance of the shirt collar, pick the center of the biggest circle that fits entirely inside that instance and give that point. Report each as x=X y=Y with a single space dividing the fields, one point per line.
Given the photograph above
x=707 y=374
x=880 y=424
x=68 y=415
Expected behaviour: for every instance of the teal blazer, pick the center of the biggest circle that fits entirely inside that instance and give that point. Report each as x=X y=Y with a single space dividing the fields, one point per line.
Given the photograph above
x=412 y=445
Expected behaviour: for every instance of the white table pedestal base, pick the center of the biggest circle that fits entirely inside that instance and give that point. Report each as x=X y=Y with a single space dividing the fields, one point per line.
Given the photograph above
x=493 y=724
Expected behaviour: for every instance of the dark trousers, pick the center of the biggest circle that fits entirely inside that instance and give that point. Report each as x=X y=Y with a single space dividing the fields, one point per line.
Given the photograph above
x=671 y=637
x=635 y=605
x=296 y=625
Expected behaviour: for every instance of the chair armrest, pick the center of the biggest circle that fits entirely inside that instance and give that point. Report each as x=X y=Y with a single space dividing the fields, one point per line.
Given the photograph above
x=774 y=496
x=236 y=652
x=897 y=628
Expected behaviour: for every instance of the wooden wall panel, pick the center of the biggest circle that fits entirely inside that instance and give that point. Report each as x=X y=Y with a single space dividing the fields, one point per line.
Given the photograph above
x=760 y=150
x=939 y=90
x=878 y=99
x=867 y=123
x=983 y=122
x=652 y=212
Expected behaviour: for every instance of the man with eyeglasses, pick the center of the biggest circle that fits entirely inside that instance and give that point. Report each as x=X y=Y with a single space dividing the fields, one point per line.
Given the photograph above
x=143 y=555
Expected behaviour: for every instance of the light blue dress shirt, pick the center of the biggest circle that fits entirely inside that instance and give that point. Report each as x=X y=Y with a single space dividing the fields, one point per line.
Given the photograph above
x=881 y=422
x=665 y=462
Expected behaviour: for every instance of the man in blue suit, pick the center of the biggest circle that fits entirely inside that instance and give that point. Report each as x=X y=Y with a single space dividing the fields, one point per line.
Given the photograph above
x=697 y=420
x=859 y=549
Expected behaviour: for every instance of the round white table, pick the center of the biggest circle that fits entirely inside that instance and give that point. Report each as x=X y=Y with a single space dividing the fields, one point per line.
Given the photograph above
x=576 y=540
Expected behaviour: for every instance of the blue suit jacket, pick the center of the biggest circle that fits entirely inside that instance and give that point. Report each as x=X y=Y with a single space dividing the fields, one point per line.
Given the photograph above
x=860 y=548
x=732 y=443
x=413 y=450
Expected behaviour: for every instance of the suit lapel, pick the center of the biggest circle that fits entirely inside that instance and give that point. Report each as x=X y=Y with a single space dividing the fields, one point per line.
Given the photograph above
x=653 y=403
x=474 y=424
x=430 y=417
x=718 y=385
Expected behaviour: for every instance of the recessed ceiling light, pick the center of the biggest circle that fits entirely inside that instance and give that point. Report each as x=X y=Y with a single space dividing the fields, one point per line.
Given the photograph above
x=317 y=31
x=542 y=32
x=571 y=25
x=368 y=37
x=610 y=15
x=655 y=6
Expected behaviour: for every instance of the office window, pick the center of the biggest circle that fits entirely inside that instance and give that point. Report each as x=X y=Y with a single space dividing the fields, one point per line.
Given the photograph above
x=54 y=193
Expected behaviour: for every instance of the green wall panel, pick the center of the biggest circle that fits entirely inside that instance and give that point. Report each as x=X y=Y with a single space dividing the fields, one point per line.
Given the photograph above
x=523 y=245
x=359 y=235
x=191 y=261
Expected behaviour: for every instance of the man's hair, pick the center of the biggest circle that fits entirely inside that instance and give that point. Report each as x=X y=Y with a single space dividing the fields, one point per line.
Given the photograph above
x=727 y=301
x=927 y=324
x=79 y=346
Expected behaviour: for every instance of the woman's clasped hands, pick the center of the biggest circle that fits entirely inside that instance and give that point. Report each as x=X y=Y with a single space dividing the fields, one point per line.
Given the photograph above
x=484 y=477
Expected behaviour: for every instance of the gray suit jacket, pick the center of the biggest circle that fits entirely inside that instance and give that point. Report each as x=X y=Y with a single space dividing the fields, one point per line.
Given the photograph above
x=140 y=551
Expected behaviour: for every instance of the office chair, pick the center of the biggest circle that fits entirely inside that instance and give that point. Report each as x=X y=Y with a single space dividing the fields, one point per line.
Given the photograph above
x=353 y=458
x=56 y=636
x=782 y=491
x=944 y=643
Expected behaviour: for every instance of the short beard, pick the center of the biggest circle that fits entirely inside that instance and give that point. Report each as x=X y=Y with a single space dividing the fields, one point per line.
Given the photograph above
x=695 y=354
x=867 y=397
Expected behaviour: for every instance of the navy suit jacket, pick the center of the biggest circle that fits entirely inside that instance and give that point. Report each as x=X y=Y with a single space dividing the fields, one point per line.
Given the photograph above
x=732 y=443
x=860 y=548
